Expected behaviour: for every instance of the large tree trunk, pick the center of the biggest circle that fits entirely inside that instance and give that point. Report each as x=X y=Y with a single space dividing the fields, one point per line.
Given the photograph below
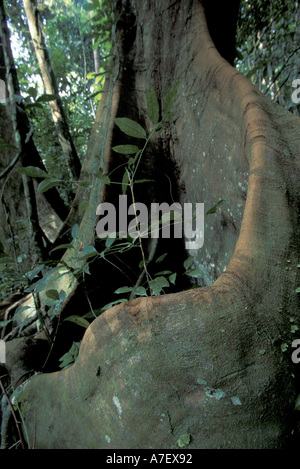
x=214 y=362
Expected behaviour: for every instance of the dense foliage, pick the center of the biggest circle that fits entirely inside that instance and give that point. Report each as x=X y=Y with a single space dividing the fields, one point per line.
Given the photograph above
x=75 y=32
x=268 y=47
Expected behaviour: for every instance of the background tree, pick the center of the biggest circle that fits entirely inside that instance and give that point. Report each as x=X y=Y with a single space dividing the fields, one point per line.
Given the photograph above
x=206 y=367
x=268 y=47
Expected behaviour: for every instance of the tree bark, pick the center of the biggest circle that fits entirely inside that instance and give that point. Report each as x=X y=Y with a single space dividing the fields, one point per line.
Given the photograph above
x=50 y=85
x=213 y=362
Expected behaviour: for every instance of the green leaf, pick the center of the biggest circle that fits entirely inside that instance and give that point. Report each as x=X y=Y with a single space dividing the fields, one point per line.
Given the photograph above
x=109 y=241
x=297 y=290
x=5 y=323
x=70 y=357
x=96 y=93
x=83 y=206
x=106 y=180
x=143 y=180
x=284 y=347
x=75 y=231
x=53 y=294
x=46 y=98
x=161 y=258
x=184 y=440
x=125 y=182
x=169 y=99
x=89 y=251
x=214 y=208
x=130 y=127
x=66 y=360
x=196 y=273
x=168 y=117
x=141 y=291
x=34 y=106
x=188 y=262
x=46 y=184
x=164 y=272
x=63 y=246
x=32 y=92
x=113 y=303
x=31 y=274
x=123 y=290
x=86 y=269
x=131 y=160
x=172 y=278
x=34 y=172
x=80 y=321
x=158 y=284
x=152 y=105
x=126 y=149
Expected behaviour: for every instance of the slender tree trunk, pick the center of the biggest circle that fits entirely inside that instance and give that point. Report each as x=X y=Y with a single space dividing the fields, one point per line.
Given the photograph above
x=50 y=85
x=209 y=367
